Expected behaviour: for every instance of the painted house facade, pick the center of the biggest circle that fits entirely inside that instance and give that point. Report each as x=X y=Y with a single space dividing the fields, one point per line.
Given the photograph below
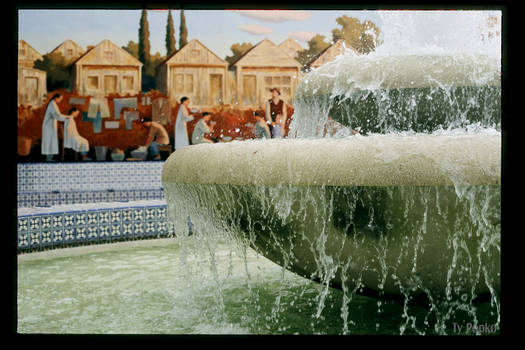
x=259 y=69
x=106 y=69
x=70 y=50
x=27 y=55
x=291 y=47
x=329 y=54
x=196 y=72
x=31 y=88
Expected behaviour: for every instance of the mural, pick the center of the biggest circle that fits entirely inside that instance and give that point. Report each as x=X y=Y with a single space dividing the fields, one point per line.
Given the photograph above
x=101 y=88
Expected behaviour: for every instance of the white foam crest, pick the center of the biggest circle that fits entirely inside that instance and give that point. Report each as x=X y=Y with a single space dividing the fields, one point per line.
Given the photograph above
x=439 y=32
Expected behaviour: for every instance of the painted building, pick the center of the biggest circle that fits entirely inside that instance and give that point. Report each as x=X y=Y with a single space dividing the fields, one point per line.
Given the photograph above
x=27 y=55
x=259 y=69
x=196 y=72
x=291 y=47
x=70 y=50
x=106 y=69
x=31 y=88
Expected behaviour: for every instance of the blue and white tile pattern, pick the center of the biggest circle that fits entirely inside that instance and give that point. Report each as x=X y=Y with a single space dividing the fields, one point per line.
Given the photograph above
x=63 y=226
x=69 y=204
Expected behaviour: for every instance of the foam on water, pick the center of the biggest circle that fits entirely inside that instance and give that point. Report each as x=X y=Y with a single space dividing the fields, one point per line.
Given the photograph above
x=440 y=32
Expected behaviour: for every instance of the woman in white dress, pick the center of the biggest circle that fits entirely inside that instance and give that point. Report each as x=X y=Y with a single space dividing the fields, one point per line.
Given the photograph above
x=49 y=127
x=181 y=131
x=72 y=138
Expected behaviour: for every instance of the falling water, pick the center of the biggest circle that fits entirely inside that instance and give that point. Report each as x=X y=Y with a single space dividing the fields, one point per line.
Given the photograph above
x=407 y=211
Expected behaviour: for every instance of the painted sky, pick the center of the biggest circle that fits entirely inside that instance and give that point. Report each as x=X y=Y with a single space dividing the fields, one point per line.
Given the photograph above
x=217 y=29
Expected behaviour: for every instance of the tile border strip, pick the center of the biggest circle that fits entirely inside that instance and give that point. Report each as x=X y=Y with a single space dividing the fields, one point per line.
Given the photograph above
x=69 y=228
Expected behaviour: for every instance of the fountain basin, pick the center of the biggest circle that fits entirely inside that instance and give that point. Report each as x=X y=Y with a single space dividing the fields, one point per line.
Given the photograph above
x=393 y=214
x=420 y=93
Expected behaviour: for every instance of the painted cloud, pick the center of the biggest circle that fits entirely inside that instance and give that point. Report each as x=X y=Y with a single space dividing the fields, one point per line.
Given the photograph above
x=276 y=15
x=255 y=29
x=302 y=36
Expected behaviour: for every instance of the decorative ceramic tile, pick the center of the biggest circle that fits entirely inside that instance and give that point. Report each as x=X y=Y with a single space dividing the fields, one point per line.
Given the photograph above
x=46 y=237
x=23 y=224
x=78 y=224
x=34 y=224
x=116 y=231
x=138 y=229
x=91 y=233
x=104 y=232
x=44 y=177
x=34 y=240
x=80 y=235
x=23 y=241
x=69 y=235
x=127 y=230
x=27 y=200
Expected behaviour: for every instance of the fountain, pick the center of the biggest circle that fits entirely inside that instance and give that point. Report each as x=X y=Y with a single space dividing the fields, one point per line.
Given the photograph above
x=407 y=209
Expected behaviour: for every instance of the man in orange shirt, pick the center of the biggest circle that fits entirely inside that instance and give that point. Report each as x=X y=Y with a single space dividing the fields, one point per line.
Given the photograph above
x=158 y=136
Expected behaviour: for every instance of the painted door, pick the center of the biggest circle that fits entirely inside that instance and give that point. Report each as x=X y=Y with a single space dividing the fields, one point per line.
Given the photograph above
x=249 y=89
x=110 y=84
x=32 y=90
x=215 y=97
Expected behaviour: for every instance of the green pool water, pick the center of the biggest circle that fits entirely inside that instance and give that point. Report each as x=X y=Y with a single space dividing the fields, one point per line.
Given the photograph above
x=164 y=287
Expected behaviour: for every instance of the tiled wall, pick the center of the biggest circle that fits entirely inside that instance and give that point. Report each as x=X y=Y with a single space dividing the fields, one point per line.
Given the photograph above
x=69 y=204
x=64 y=226
x=38 y=199
x=41 y=184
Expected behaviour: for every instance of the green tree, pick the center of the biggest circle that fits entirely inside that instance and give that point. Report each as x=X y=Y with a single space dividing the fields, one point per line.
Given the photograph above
x=238 y=50
x=132 y=48
x=58 y=70
x=183 y=31
x=148 y=80
x=315 y=46
x=155 y=60
x=362 y=36
x=170 y=36
x=144 y=46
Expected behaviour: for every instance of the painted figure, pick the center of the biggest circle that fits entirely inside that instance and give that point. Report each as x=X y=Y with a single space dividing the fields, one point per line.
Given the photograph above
x=158 y=136
x=276 y=113
x=49 y=127
x=181 y=131
x=72 y=138
x=202 y=128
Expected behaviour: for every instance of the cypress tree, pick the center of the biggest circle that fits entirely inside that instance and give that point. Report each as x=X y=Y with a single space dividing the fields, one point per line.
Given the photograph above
x=148 y=80
x=144 y=47
x=183 y=32
x=170 y=36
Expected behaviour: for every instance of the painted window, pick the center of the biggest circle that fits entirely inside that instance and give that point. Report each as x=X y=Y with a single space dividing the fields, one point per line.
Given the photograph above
x=92 y=82
x=183 y=83
x=127 y=82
